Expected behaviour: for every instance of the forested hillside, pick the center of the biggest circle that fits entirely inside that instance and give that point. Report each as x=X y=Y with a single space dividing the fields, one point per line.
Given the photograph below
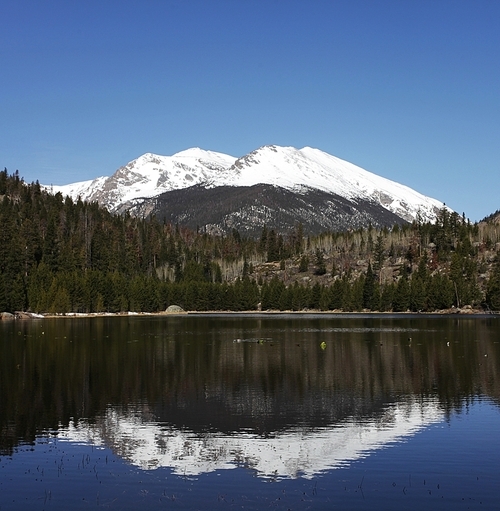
x=60 y=256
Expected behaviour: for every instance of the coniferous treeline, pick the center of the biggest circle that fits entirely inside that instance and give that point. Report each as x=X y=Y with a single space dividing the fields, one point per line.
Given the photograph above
x=60 y=256
x=57 y=255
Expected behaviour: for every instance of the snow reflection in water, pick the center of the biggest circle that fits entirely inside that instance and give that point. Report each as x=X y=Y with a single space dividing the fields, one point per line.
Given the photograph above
x=298 y=452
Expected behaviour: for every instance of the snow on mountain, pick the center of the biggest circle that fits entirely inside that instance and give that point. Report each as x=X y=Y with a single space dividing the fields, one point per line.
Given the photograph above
x=150 y=175
x=294 y=169
x=82 y=189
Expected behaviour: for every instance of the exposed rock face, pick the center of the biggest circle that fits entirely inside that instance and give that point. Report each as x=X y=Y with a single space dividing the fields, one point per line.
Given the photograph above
x=249 y=208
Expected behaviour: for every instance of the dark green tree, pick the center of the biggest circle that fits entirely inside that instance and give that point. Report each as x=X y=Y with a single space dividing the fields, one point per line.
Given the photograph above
x=369 y=289
x=493 y=288
x=304 y=264
x=315 y=296
x=320 y=263
x=401 y=299
x=379 y=253
x=273 y=253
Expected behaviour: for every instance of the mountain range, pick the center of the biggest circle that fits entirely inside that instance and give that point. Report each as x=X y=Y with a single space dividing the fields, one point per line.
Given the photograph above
x=275 y=186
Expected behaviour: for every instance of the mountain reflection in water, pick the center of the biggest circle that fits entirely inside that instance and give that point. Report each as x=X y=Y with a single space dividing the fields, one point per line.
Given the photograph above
x=297 y=452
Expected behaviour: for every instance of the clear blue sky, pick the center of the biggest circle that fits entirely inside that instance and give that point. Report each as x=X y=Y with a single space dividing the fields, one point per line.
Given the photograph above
x=407 y=89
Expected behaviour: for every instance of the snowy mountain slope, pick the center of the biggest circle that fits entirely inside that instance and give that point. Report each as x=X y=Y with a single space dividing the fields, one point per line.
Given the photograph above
x=293 y=168
x=82 y=189
x=297 y=170
x=150 y=175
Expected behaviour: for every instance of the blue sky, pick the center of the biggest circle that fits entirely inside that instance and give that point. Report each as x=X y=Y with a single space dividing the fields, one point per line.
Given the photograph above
x=409 y=90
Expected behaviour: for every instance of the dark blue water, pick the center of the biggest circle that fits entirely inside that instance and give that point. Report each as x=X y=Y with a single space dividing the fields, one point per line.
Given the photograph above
x=219 y=412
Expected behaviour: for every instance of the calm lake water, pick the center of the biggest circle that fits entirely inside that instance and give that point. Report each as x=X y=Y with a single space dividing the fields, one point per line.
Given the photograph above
x=250 y=412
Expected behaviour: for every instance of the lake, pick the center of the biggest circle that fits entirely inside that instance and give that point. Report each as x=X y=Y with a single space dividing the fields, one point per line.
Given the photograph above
x=235 y=411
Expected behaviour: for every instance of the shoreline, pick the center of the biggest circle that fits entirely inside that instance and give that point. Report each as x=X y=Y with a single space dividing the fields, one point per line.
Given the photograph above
x=70 y=315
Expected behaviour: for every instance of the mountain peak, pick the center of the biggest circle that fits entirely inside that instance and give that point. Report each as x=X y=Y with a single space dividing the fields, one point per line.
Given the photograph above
x=295 y=170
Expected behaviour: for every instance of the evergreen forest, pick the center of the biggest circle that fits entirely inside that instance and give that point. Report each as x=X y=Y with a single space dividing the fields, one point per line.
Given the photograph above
x=58 y=256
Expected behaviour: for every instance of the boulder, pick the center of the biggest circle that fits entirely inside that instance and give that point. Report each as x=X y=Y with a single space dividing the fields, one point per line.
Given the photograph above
x=175 y=309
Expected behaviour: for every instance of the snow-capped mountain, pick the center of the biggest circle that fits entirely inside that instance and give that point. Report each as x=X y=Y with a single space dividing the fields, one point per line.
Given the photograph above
x=145 y=186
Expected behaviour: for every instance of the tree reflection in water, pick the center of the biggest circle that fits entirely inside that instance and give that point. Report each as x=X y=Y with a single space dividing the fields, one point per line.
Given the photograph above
x=188 y=373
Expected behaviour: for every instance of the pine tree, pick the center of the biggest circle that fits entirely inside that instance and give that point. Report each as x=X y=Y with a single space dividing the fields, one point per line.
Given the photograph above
x=369 y=288
x=357 y=294
x=324 y=301
x=418 y=295
x=315 y=296
x=263 y=239
x=493 y=288
x=272 y=247
x=61 y=303
x=320 y=263
x=401 y=299
x=379 y=253
x=347 y=300
x=376 y=298
x=304 y=264
x=286 y=299
x=300 y=297
x=51 y=246
x=440 y=293
x=386 y=297
x=337 y=294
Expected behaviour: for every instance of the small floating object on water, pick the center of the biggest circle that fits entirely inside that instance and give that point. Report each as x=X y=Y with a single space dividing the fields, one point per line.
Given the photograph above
x=252 y=339
x=323 y=345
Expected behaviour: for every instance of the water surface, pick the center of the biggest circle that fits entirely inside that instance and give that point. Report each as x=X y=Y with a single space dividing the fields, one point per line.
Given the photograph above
x=250 y=411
